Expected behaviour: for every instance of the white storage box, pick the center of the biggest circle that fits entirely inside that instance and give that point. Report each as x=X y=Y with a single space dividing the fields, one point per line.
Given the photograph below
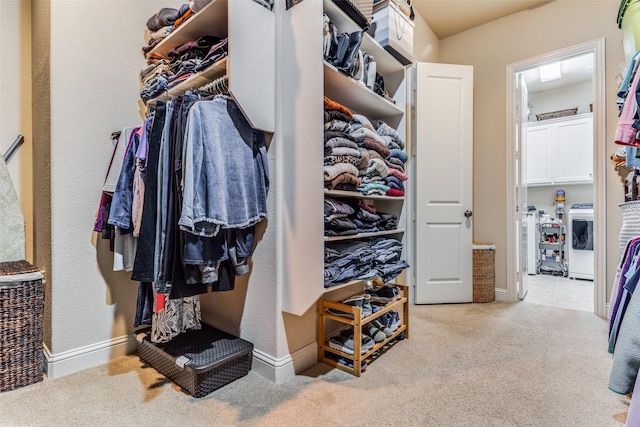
x=394 y=31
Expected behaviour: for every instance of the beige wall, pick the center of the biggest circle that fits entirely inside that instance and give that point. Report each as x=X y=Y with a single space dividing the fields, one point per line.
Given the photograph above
x=489 y=48
x=15 y=105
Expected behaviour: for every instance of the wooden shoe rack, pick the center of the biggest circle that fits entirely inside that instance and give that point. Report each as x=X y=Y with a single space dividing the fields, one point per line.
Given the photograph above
x=400 y=305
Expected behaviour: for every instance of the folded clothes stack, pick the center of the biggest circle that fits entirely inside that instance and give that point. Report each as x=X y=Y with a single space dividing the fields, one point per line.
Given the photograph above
x=363 y=259
x=362 y=155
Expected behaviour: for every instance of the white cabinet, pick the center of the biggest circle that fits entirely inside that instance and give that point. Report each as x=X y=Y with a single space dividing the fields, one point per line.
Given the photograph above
x=560 y=151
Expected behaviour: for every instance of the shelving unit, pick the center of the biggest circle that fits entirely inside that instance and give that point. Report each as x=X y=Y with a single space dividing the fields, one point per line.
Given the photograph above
x=254 y=51
x=360 y=99
x=400 y=305
x=552 y=240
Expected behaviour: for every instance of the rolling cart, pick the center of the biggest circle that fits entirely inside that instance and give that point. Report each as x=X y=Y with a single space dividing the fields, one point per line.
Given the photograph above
x=551 y=249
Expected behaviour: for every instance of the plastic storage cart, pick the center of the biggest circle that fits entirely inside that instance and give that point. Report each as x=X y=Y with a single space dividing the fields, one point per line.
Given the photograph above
x=551 y=249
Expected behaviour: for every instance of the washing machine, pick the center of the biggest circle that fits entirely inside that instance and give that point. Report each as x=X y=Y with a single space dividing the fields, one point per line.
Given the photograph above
x=580 y=241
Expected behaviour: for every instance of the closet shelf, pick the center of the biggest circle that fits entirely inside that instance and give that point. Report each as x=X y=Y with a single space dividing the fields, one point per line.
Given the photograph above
x=360 y=99
x=210 y=20
x=357 y=195
x=386 y=64
x=363 y=235
x=343 y=285
x=195 y=81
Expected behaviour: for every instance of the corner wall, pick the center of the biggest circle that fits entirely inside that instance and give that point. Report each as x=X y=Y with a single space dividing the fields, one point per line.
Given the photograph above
x=489 y=48
x=86 y=61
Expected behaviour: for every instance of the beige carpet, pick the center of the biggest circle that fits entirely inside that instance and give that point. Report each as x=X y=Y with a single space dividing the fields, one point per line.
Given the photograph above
x=494 y=364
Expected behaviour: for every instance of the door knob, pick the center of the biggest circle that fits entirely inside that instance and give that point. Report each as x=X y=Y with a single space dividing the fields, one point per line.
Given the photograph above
x=468 y=213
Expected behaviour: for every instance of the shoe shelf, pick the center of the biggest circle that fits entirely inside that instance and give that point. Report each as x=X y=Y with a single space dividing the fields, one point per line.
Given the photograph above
x=357 y=322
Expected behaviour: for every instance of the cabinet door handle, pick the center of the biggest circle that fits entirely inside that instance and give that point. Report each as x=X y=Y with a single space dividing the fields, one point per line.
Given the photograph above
x=468 y=213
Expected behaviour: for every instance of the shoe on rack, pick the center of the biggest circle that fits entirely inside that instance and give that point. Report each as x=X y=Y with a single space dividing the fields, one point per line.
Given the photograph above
x=346 y=345
x=374 y=332
x=391 y=320
x=395 y=321
x=356 y=301
x=386 y=330
x=384 y=294
x=347 y=362
x=367 y=308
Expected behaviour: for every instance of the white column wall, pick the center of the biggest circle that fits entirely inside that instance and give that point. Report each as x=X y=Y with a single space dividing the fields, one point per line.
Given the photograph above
x=95 y=59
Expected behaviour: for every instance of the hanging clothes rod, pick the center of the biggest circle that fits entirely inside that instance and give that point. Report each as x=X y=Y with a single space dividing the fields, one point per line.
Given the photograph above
x=217 y=86
x=13 y=148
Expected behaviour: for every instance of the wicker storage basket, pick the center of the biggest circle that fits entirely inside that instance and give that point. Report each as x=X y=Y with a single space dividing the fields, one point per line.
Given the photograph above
x=200 y=361
x=21 y=312
x=484 y=273
x=556 y=114
x=359 y=11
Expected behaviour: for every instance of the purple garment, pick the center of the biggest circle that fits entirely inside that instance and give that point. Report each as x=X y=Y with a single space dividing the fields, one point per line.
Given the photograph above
x=628 y=258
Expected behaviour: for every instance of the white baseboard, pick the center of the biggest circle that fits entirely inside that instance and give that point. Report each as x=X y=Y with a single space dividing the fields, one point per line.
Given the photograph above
x=71 y=361
x=283 y=369
x=67 y=362
x=502 y=294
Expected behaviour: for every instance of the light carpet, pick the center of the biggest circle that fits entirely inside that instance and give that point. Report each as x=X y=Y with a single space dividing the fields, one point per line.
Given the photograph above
x=495 y=364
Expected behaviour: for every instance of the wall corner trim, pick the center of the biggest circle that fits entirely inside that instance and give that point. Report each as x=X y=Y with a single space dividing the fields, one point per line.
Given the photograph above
x=280 y=370
x=502 y=294
x=71 y=361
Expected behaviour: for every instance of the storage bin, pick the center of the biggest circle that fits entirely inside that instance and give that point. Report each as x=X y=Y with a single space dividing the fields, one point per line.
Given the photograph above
x=484 y=272
x=21 y=313
x=199 y=361
x=359 y=11
x=393 y=30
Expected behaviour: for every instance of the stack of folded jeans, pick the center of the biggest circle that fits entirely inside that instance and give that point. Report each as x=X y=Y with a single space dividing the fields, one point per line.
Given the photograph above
x=362 y=260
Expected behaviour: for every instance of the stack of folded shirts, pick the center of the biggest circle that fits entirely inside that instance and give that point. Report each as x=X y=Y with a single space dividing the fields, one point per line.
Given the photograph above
x=342 y=156
x=338 y=218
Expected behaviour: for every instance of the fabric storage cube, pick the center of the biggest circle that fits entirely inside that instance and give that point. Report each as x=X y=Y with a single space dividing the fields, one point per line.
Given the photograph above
x=393 y=30
x=200 y=361
x=21 y=313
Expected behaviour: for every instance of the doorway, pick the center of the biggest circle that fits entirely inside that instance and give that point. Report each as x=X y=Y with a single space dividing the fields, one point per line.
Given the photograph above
x=542 y=186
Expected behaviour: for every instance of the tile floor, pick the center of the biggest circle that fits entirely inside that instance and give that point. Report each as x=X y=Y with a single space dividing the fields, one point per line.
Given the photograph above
x=562 y=292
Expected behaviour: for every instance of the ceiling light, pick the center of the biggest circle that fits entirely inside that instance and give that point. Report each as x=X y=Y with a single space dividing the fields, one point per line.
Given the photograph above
x=550 y=71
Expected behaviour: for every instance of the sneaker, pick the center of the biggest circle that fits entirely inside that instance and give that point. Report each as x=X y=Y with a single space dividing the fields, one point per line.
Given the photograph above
x=384 y=294
x=391 y=320
x=356 y=301
x=395 y=321
x=345 y=343
x=374 y=332
x=386 y=330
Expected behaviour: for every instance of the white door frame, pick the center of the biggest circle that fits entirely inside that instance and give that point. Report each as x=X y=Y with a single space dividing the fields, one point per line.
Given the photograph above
x=599 y=165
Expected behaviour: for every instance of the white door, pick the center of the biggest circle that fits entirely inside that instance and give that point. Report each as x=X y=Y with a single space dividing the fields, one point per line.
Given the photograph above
x=521 y=177
x=444 y=186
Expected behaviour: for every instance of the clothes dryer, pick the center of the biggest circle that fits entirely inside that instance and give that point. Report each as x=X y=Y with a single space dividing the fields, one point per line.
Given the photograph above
x=580 y=236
